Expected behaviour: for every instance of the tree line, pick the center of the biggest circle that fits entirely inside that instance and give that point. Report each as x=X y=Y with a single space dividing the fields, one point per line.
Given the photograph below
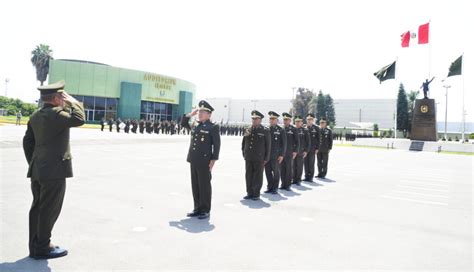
x=13 y=105
x=320 y=104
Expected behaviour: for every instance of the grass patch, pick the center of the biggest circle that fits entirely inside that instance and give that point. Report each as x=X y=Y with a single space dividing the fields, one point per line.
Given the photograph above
x=25 y=119
x=361 y=146
x=457 y=153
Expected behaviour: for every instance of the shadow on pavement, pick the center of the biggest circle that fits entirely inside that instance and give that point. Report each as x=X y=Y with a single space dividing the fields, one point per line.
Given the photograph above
x=255 y=204
x=289 y=193
x=273 y=197
x=326 y=180
x=301 y=188
x=193 y=225
x=26 y=264
x=314 y=184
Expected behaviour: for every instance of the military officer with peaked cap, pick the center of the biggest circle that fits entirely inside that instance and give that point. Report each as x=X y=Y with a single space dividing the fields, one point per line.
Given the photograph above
x=292 y=147
x=324 y=147
x=47 y=150
x=256 y=146
x=305 y=143
x=203 y=153
x=309 y=160
x=278 y=149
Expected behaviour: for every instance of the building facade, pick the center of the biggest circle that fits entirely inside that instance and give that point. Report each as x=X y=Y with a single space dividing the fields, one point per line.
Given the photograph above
x=113 y=92
x=349 y=112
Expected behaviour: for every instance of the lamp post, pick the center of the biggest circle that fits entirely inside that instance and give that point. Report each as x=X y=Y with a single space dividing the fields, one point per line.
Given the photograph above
x=446 y=114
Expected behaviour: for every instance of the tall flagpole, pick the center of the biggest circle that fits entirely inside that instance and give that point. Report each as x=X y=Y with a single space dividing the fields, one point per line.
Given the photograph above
x=396 y=100
x=429 y=49
x=463 y=110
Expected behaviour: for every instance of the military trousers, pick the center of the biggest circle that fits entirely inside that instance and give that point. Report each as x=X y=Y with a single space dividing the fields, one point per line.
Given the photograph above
x=298 y=168
x=309 y=161
x=201 y=186
x=286 y=168
x=254 y=177
x=323 y=158
x=272 y=172
x=48 y=196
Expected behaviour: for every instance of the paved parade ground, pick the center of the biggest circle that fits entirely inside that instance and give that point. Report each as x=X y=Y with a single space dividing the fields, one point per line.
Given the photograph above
x=125 y=210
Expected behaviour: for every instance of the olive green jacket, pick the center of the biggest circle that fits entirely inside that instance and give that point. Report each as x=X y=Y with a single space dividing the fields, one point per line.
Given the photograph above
x=46 y=141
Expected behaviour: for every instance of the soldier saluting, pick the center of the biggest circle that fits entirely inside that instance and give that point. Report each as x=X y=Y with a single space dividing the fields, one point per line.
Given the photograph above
x=324 y=147
x=278 y=149
x=292 y=147
x=310 y=157
x=256 y=146
x=305 y=143
x=203 y=153
x=47 y=150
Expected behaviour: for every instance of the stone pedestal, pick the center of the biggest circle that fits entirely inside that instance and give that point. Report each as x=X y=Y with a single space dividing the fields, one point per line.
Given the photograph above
x=423 y=126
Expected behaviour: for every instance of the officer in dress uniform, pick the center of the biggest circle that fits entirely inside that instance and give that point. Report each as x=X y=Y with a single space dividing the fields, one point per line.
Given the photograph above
x=256 y=146
x=292 y=147
x=311 y=156
x=47 y=150
x=278 y=149
x=324 y=147
x=305 y=143
x=203 y=153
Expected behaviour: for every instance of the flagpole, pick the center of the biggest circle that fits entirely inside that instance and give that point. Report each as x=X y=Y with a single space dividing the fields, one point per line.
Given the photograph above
x=463 y=110
x=429 y=49
x=396 y=100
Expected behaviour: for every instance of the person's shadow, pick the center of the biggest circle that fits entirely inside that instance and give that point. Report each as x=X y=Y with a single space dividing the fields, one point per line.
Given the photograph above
x=193 y=225
x=326 y=180
x=26 y=264
x=274 y=197
x=289 y=193
x=255 y=204
x=314 y=184
x=302 y=188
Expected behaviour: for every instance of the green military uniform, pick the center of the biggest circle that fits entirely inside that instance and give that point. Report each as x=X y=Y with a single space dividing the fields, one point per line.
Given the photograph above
x=256 y=146
x=47 y=150
x=309 y=160
x=292 y=146
x=204 y=147
x=305 y=143
x=324 y=146
x=278 y=149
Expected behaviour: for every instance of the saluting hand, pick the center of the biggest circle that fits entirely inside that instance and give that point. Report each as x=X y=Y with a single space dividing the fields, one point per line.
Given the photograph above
x=304 y=154
x=194 y=112
x=294 y=155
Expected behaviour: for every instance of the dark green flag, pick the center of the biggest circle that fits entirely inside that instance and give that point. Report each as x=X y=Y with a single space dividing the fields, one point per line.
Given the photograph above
x=456 y=67
x=387 y=72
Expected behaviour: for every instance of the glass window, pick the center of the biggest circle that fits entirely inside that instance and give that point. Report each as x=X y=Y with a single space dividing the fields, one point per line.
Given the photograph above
x=79 y=98
x=88 y=102
x=110 y=114
x=99 y=103
x=111 y=104
x=98 y=115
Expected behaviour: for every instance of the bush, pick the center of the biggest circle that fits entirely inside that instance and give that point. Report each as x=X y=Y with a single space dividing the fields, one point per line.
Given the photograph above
x=14 y=105
x=471 y=136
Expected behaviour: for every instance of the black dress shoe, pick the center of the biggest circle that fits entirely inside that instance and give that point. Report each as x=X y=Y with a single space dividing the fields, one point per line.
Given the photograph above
x=268 y=192
x=318 y=176
x=54 y=252
x=247 y=197
x=255 y=198
x=193 y=214
x=297 y=183
x=288 y=189
x=204 y=216
x=274 y=192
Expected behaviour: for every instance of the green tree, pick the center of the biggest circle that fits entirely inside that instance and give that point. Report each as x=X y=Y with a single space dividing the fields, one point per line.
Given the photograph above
x=301 y=103
x=40 y=57
x=330 y=113
x=402 y=110
x=411 y=105
x=14 y=105
x=320 y=106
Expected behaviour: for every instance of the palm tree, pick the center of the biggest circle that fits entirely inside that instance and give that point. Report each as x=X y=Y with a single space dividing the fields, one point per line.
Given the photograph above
x=411 y=105
x=40 y=57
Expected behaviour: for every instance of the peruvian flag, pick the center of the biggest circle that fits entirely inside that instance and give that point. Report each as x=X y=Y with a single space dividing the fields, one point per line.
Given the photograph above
x=423 y=35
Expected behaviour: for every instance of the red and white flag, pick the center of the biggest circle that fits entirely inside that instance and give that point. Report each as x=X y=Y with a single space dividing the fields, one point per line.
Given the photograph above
x=423 y=35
